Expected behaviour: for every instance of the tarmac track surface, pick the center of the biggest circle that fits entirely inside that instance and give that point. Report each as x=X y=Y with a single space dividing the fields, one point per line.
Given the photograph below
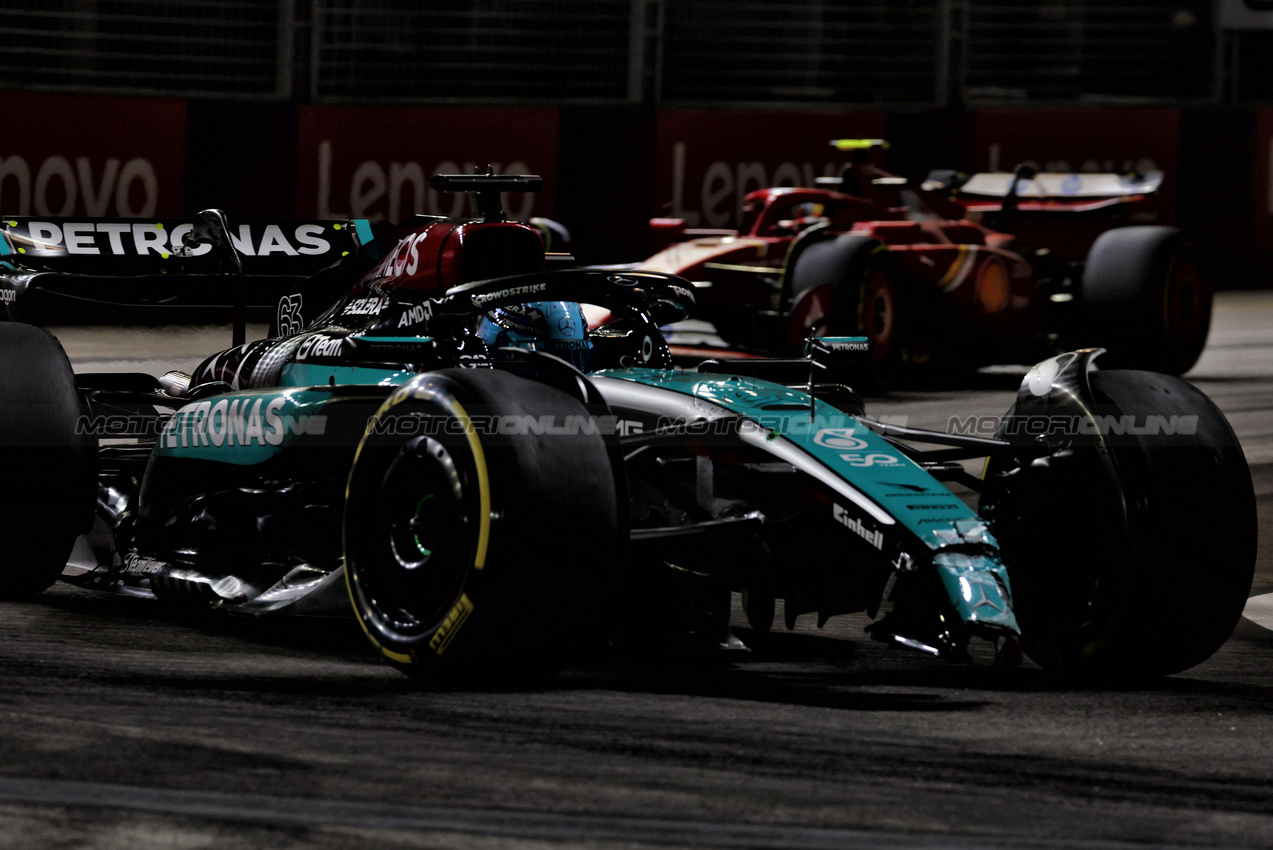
x=123 y=725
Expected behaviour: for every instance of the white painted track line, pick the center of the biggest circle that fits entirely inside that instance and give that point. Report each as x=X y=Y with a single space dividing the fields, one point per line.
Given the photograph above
x=1259 y=610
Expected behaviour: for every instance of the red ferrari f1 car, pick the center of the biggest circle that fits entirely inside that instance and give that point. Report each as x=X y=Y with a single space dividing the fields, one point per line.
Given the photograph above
x=962 y=270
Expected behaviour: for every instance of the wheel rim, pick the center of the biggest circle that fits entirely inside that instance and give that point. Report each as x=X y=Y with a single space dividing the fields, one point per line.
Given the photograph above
x=421 y=542
x=878 y=315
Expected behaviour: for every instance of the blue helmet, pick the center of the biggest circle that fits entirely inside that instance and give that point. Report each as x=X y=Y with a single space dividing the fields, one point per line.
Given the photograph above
x=557 y=327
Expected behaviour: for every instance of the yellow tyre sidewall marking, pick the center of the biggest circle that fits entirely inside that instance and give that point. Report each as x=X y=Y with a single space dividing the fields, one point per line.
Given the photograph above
x=428 y=391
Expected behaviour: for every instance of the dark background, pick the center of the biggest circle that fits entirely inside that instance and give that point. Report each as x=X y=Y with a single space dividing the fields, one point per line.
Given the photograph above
x=612 y=71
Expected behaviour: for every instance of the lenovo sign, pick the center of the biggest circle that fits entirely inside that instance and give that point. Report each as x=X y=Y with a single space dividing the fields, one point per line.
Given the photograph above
x=708 y=161
x=375 y=162
x=130 y=164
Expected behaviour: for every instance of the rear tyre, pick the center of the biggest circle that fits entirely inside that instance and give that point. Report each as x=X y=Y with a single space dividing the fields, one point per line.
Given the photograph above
x=1137 y=562
x=490 y=555
x=1145 y=300
x=49 y=470
x=851 y=286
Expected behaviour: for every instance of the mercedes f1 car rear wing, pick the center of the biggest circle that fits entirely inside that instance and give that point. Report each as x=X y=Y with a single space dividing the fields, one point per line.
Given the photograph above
x=56 y=268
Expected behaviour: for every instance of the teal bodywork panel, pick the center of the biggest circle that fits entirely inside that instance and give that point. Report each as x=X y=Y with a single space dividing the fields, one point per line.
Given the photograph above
x=243 y=428
x=318 y=374
x=977 y=583
x=252 y=426
x=845 y=446
x=978 y=587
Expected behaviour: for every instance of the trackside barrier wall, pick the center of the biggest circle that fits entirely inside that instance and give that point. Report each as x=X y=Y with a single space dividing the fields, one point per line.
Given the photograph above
x=69 y=154
x=607 y=168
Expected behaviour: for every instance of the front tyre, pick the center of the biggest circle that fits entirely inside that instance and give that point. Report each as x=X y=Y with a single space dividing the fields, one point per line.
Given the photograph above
x=481 y=528
x=1134 y=559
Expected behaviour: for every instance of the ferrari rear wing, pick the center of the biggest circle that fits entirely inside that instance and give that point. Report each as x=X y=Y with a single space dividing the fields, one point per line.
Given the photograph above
x=1044 y=186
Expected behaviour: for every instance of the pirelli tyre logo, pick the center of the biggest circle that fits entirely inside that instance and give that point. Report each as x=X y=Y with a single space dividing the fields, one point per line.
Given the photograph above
x=451 y=625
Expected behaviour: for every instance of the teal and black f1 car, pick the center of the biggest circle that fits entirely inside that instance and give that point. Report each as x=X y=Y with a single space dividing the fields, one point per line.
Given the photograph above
x=433 y=434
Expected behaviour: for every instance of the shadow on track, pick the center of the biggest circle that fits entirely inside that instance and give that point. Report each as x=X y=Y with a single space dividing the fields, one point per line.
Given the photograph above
x=308 y=657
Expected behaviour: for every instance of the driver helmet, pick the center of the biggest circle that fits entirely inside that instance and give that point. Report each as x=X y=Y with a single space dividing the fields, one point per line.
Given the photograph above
x=557 y=327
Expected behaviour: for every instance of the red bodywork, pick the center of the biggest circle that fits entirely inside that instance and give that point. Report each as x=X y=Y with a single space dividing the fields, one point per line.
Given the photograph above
x=442 y=254
x=988 y=272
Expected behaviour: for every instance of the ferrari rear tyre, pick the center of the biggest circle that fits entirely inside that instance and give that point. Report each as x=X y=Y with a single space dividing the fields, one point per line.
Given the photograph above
x=851 y=286
x=49 y=469
x=482 y=528
x=1145 y=300
x=1137 y=561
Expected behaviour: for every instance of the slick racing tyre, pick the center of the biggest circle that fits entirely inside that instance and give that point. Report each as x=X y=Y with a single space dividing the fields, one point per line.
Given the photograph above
x=478 y=547
x=1136 y=560
x=49 y=470
x=851 y=286
x=1145 y=300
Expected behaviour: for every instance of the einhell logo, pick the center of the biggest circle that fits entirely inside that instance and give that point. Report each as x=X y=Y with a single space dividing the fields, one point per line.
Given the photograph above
x=56 y=186
x=871 y=535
